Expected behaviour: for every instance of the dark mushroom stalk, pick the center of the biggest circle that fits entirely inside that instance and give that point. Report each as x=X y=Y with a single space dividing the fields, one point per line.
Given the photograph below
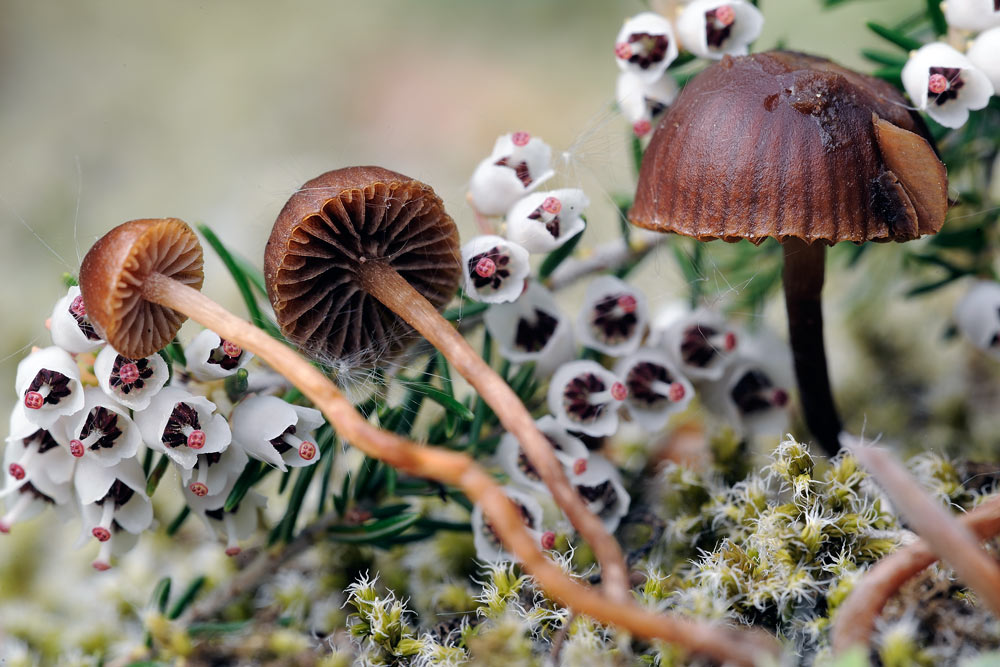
x=140 y=282
x=794 y=147
x=359 y=255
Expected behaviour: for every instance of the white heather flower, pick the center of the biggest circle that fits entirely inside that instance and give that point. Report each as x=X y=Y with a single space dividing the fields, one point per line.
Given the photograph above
x=32 y=453
x=613 y=318
x=101 y=432
x=945 y=84
x=48 y=386
x=209 y=357
x=131 y=382
x=978 y=316
x=646 y=46
x=714 y=28
x=489 y=549
x=113 y=499
x=600 y=486
x=70 y=327
x=656 y=389
x=518 y=164
x=543 y=221
x=182 y=426
x=570 y=451
x=974 y=15
x=984 y=53
x=750 y=396
x=533 y=328
x=276 y=432
x=700 y=343
x=212 y=472
x=239 y=524
x=641 y=101
x=585 y=397
x=495 y=269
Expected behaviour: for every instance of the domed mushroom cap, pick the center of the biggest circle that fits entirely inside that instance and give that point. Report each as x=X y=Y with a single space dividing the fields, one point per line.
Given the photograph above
x=329 y=232
x=785 y=144
x=114 y=270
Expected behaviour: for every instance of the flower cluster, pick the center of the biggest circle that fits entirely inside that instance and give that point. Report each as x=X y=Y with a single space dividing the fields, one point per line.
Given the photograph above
x=87 y=416
x=648 y=43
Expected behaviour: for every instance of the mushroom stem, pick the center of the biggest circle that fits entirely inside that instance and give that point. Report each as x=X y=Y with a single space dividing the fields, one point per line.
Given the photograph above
x=725 y=644
x=803 y=281
x=855 y=618
x=385 y=284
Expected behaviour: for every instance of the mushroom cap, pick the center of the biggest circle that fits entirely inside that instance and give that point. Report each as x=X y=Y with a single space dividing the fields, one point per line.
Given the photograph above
x=112 y=274
x=786 y=144
x=324 y=237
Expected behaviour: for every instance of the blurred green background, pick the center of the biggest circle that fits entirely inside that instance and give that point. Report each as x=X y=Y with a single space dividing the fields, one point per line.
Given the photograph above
x=216 y=111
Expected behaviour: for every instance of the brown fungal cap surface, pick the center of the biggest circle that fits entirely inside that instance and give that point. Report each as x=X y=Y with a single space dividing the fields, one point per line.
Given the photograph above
x=329 y=232
x=114 y=270
x=786 y=145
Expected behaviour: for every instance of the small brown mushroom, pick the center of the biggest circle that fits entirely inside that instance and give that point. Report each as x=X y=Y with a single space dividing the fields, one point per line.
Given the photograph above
x=794 y=147
x=356 y=250
x=127 y=275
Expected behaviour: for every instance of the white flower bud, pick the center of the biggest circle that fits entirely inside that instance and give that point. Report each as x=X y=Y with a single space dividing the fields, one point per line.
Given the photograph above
x=70 y=327
x=276 y=432
x=543 y=221
x=984 y=53
x=974 y=15
x=494 y=268
x=945 y=84
x=641 y=101
x=646 y=46
x=714 y=28
x=978 y=316
x=211 y=358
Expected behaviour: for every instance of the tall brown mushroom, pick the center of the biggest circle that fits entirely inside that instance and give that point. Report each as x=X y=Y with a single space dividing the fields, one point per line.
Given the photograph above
x=798 y=148
x=139 y=285
x=358 y=251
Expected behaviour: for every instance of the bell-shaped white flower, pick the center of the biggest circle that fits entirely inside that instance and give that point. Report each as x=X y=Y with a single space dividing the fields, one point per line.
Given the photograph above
x=489 y=549
x=131 y=382
x=714 y=28
x=70 y=327
x=33 y=453
x=642 y=101
x=978 y=316
x=48 y=385
x=543 y=221
x=495 y=269
x=570 y=451
x=239 y=524
x=533 y=328
x=182 y=426
x=518 y=164
x=212 y=472
x=945 y=84
x=984 y=52
x=585 y=397
x=646 y=46
x=656 y=389
x=211 y=358
x=101 y=432
x=276 y=432
x=974 y=15
x=26 y=499
x=700 y=343
x=600 y=486
x=614 y=316
x=113 y=500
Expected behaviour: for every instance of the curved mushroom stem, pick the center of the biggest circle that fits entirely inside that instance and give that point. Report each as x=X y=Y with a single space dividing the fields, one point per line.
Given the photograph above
x=385 y=284
x=725 y=644
x=803 y=281
x=855 y=618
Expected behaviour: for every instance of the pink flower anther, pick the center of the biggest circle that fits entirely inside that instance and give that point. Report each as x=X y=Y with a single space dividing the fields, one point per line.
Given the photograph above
x=101 y=533
x=16 y=471
x=623 y=51
x=642 y=127
x=233 y=551
x=101 y=566
x=937 y=84
x=627 y=303
x=128 y=373
x=196 y=439
x=33 y=400
x=231 y=349
x=307 y=451
x=486 y=267
x=520 y=138
x=198 y=489
x=580 y=466
x=725 y=15
x=676 y=392
x=779 y=398
x=77 y=307
x=730 y=341
x=619 y=392
x=76 y=448
x=552 y=205
x=548 y=539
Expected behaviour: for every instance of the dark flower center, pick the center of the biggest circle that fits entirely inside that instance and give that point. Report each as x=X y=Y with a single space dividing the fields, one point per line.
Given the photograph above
x=697 y=348
x=128 y=374
x=952 y=76
x=611 y=322
x=520 y=169
x=576 y=397
x=57 y=383
x=79 y=313
x=490 y=533
x=183 y=419
x=500 y=273
x=551 y=220
x=220 y=357
x=525 y=466
x=717 y=30
x=756 y=393
x=279 y=443
x=119 y=493
x=640 y=380
x=647 y=49
x=104 y=422
x=44 y=439
x=602 y=497
x=534 y=336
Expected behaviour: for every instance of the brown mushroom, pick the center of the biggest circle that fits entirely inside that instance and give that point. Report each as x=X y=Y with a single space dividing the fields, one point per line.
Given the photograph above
x=794 y=147
x=127 y=276
x=356 y=250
